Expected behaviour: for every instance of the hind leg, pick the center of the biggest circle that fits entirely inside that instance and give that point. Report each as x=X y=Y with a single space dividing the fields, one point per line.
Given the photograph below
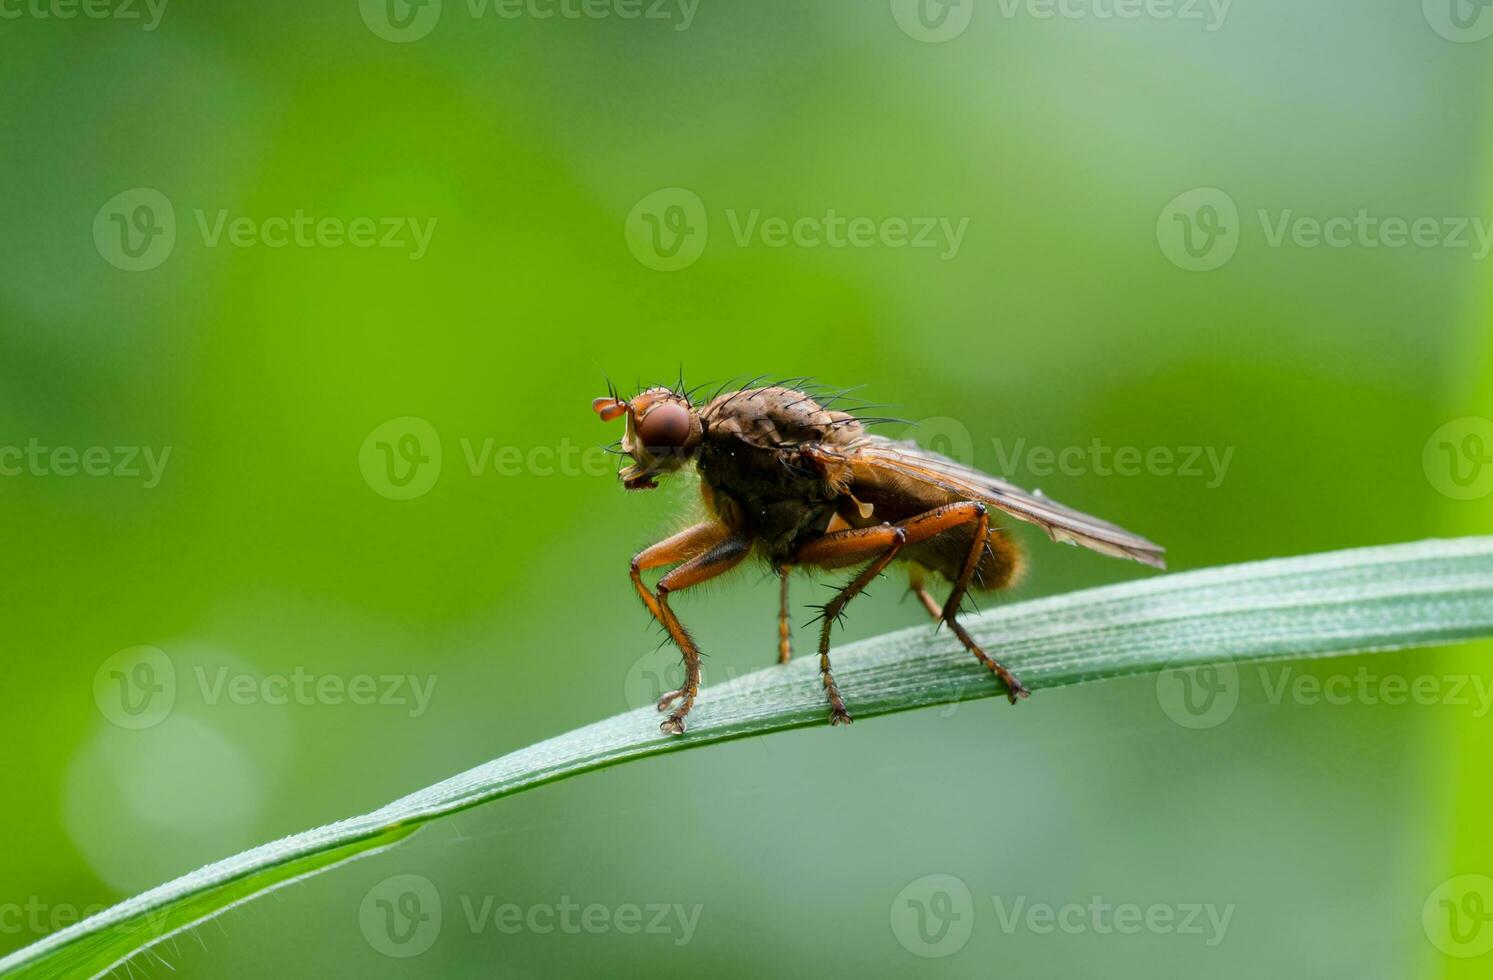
x=948 y=612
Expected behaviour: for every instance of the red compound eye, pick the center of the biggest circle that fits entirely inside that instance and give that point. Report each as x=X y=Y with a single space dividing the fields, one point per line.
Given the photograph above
x=664 y=427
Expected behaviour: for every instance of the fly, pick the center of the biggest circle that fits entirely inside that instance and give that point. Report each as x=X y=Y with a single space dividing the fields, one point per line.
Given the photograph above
x=805 y=486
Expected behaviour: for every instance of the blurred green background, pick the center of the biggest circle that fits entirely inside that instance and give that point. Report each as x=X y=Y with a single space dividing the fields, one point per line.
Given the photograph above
x=1091 y=297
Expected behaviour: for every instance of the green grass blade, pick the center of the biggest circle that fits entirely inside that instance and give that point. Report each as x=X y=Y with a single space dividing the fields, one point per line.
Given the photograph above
x=1319 y=605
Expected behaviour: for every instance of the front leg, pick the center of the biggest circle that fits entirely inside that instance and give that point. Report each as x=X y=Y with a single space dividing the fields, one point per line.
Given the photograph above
x=672 y=550
x=706 y=551
x=720 y=558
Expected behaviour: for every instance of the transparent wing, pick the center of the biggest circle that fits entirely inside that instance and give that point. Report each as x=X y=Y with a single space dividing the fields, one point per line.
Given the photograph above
x=875 y=454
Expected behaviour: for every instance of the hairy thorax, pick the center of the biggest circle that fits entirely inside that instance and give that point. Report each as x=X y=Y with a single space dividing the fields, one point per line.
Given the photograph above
x=753 y=471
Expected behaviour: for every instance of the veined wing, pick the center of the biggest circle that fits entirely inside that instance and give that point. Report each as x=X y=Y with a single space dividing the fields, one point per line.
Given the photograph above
x=871 y=455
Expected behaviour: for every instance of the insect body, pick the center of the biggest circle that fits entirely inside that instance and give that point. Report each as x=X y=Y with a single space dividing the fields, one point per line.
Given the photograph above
x=804 y=486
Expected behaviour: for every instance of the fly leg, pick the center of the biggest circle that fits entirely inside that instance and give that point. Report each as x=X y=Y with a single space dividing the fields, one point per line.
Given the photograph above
x=837 y=550
x=881 y=544
x=785 y=635
x=1015 y=690
x=671 y=551
x=721 y=557
x=681 y=547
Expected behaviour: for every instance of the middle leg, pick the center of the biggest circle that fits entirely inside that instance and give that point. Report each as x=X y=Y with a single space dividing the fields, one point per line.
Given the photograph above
x=785 y=634
x=837 y=550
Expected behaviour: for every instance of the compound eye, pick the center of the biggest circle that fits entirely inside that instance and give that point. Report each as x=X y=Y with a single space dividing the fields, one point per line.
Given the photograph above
x=664 y=427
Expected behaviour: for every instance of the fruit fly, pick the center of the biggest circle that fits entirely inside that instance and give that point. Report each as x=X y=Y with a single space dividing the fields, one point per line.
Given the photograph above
x=804 y=486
